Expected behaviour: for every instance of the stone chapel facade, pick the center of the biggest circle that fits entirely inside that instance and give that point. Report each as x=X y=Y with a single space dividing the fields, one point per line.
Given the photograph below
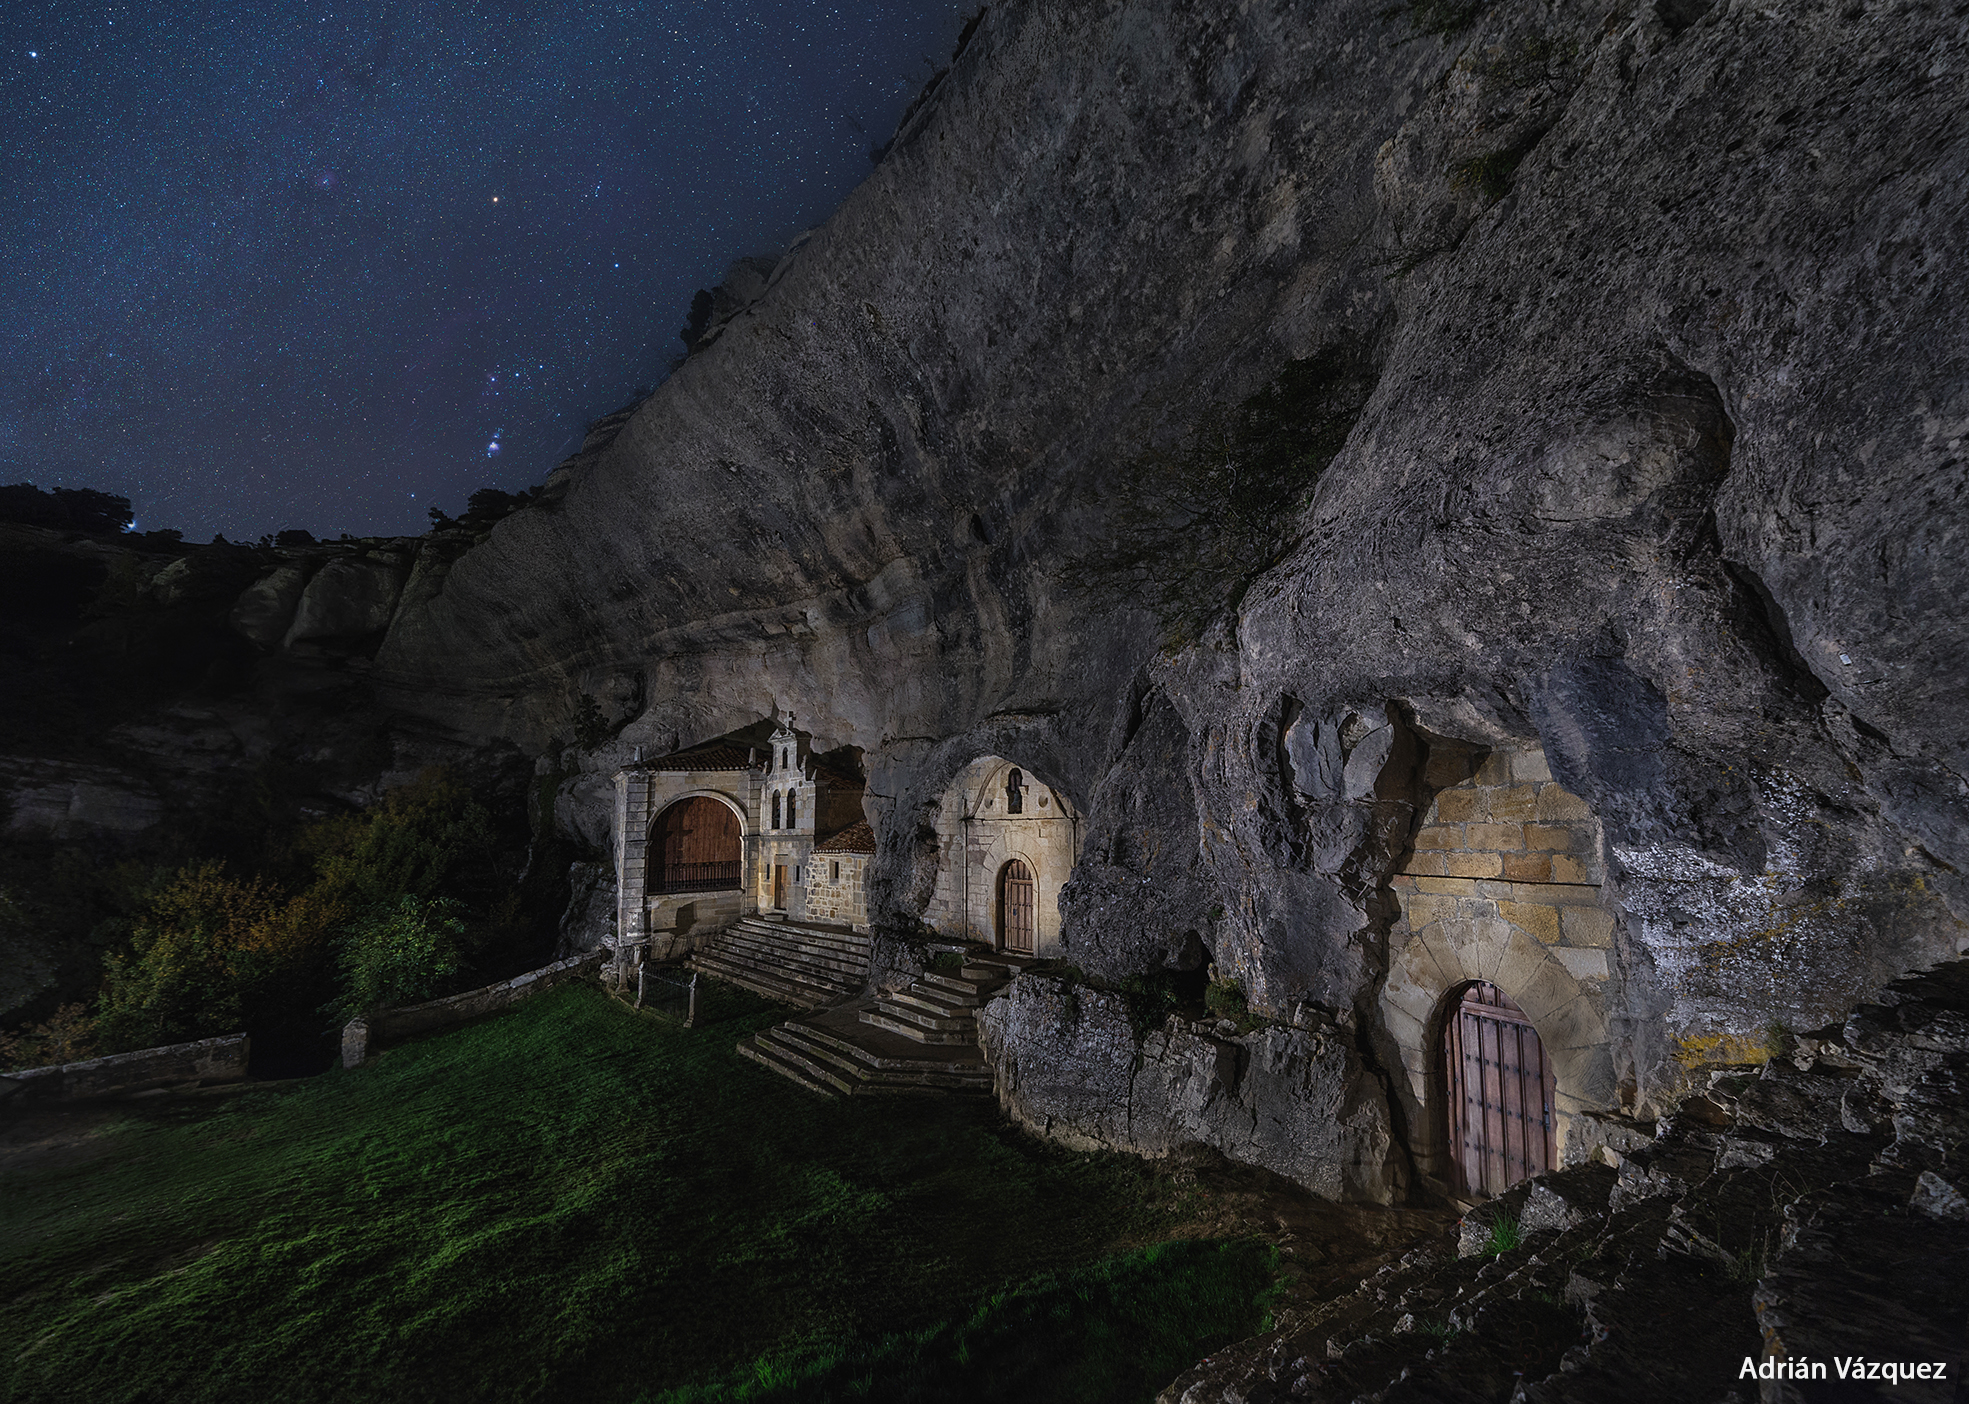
x=720 y=832
x=1008 y=845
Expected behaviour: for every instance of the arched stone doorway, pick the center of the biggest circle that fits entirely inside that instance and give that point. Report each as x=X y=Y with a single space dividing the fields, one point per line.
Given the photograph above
x=695 y=846
x=1501 y=887
x=1499 y=1092
x=995 y=814
x=1018 y=926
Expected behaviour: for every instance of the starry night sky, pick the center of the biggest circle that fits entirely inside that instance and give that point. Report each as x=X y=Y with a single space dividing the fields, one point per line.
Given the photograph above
x=267 y=265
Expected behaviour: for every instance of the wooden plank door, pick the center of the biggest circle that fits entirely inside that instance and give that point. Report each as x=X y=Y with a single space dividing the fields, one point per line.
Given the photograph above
x=1018 y=909
x=1499 y=1085
x=779 y=886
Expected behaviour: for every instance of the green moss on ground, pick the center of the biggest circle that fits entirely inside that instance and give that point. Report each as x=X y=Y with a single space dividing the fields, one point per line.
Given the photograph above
x=570 y=1200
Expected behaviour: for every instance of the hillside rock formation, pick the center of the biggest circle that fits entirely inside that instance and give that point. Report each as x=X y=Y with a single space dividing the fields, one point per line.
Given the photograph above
x=1662 y=470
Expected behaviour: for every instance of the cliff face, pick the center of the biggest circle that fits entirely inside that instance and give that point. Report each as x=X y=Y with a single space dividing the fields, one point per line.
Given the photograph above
x=1662 y=471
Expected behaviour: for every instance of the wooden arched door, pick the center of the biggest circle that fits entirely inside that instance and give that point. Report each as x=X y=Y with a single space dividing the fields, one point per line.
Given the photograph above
x=695 y=846
x=1018 y=925
x=1499 y=1085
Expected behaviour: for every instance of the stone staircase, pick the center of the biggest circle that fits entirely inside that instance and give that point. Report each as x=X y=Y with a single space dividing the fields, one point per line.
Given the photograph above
x=943 y=1009
x=922 y=1041
x=800 y=963
x=832 y=1053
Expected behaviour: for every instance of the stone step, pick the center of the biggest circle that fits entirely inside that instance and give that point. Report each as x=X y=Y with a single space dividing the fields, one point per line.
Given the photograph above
x=881 y=1019
x=958 y=988
x=827 y=1058
x=786 y=1052
x=824 y=1059
x=923 y=1000
x=771 y=1058
x=768 y=964
x=784 y=940
x=768 y=955
x=813 y=935
x=903 y=1007
x=786 y=988
x=811 y=1062
x=927 y=1060
x=993 y=967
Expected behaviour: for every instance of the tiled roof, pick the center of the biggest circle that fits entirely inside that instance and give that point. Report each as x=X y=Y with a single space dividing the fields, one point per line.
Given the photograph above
x=856 y=838
x=703 y=758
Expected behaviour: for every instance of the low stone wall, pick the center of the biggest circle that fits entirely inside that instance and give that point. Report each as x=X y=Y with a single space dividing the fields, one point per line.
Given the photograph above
x=362 y=1039
x=680 y=922
x=178 y=1065
x=1294 y=1100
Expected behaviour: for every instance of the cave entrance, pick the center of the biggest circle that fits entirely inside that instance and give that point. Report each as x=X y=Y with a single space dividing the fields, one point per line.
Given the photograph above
x=1500 y=1092
x=1017 y=927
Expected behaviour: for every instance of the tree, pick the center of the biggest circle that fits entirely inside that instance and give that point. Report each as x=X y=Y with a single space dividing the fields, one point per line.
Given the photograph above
x=67 y=1036
x=398 y=952
x=66 y=509
x=591 y=726
x=180 y=979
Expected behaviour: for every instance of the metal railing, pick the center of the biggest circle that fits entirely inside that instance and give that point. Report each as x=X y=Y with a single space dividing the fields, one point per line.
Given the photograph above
x=696 y=877
x=668 y=993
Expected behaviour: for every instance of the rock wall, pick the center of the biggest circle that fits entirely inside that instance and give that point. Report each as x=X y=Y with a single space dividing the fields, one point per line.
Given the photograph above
x=1796 y=1214
x=1070 y=1065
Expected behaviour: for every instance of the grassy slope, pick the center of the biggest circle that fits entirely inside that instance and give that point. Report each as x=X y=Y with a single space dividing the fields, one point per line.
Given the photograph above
x=572 y=1200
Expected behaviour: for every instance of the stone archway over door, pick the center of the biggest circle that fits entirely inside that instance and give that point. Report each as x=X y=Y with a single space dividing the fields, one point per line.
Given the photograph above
x=1499 y=1092
x=696 y=846
x=1017 y=908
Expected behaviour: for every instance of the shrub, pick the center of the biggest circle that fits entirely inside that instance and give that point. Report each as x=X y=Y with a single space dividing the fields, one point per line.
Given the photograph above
x=183 y=973
x=397 y=953
x=1224 y=999
x=414 y=841
x=207 y=951
x=67 y=1036
x=591 y=726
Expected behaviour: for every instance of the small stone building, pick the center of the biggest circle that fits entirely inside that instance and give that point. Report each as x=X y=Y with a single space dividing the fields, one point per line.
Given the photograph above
x=1007 y=846
x=723 y=831
x=1497 y=971
x=837 y=877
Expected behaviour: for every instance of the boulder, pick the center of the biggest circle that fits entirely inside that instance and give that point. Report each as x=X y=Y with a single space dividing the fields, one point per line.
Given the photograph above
x=352 y=597
x=265 y=609
x=1296 y=1100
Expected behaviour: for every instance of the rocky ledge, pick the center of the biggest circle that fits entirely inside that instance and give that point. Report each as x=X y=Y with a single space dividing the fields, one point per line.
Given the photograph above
x=1806 y=1214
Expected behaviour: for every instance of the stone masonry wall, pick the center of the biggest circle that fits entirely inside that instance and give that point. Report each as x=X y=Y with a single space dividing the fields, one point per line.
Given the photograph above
x=1504 y=885
x=844 y=901
x=362 y=1039
x=977 y=838
x=176 y=1065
